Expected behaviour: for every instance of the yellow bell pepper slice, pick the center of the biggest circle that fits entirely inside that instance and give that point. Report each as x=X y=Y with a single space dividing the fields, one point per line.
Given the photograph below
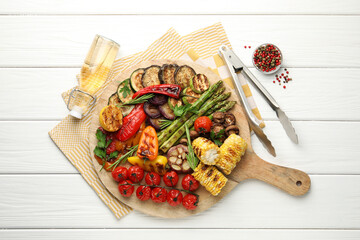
x=158 y=165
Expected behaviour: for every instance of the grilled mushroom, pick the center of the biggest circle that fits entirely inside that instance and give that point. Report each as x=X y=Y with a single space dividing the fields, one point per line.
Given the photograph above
x=232 y=129
x=183 y=141
x=218 y=117
x=217 y=128
x=229 y=119
x=193 y=134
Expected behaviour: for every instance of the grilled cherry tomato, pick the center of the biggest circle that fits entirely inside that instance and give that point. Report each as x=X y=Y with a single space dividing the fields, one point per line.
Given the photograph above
x=143 y=193
x=136 y=174
x=174 y=197
x=171 y=178
x=203 y=124
x=152 y=179
x=158 y=195
x=190 y=201
x=189 y=183
x=148 y=145
x=125 y=188
x=120 y=174
x=111 y=148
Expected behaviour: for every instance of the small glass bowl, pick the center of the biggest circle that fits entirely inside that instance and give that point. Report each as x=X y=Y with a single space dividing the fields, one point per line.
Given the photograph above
x=277 y=67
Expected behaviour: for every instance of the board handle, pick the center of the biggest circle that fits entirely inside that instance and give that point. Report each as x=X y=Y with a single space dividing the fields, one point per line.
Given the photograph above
x=292 y=181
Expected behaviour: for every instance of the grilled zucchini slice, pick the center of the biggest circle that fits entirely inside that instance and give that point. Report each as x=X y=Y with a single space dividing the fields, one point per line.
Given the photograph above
x=199 y=83
x=167 y=73
x=114 y=99
x=124 y=91
x=135 y=79
x=190 y=97
x=151 y=76
x=183 y=75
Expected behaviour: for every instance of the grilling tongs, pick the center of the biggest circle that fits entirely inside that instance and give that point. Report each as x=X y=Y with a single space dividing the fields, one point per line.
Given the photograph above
x=235 y=65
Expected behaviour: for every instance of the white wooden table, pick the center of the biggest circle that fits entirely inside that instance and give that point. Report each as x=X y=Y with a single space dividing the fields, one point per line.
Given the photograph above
x=42 y=46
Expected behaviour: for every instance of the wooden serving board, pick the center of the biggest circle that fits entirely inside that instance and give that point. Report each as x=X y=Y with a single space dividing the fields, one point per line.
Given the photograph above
x=290 y=180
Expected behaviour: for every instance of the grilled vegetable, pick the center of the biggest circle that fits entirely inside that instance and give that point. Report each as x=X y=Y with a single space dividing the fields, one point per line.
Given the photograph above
x=158 y=99
x=158 y=165
x=124 y=91
x=174 y=102
x=110 y=118
x=211 y=178
x=203 y=124
x=177 y=159
x=167 y=112
x=151 y=110
x=199 y=83
x=231 y=152
x=114 y=99
x=135 y=79
x=190 y=97
x=148 y=145
x=170 y=90
x=167 y=73
x=131 y=123
x=207 y=151
x=164 y=135
x=156 y=122
x=151 y=76
x=170 y=141
x=183 y=75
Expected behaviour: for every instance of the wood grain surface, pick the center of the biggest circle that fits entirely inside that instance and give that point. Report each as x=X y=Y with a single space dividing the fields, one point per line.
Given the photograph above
x=292 y=181
x=43 y=43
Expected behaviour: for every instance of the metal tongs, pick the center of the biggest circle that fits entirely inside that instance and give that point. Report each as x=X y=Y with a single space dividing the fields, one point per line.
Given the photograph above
x=235 y=65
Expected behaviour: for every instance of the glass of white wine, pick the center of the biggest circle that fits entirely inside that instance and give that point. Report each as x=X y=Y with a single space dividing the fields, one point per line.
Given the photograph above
x=93 y=75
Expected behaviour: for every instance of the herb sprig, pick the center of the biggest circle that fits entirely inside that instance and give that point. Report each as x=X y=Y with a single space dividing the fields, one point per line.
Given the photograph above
x=124 y=157
x=192 y=159
x=181 y=110
x=164 y=123
x=137 y=100
x=216 y=136
x=125 y=90
x=100 y=149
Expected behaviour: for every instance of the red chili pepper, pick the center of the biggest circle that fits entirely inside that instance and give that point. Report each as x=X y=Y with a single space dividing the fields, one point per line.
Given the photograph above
x=171 y=90
x=131 y=123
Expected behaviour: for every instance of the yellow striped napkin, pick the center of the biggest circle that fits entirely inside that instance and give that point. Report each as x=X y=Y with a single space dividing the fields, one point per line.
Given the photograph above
x=71 y=135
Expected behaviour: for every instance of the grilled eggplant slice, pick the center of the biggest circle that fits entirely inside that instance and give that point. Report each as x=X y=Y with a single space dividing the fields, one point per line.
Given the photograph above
x=174 y=102
x=199 y=83
x=183 y=75
x=124 y=91
x=135 y=79
x=166 y=111
x=151 y=76
x=114 y=99
x=167 y=73
x=190 y=97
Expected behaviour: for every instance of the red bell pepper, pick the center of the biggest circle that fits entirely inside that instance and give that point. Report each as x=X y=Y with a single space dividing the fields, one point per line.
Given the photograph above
x=131 y=123
x=171 y=90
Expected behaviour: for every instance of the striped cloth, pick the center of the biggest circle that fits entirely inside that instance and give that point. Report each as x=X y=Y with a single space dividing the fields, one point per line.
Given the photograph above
x=71 y=135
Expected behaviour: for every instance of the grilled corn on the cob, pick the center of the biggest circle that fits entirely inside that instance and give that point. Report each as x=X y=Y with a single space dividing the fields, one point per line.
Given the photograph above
x=231 y=152
x=211 y=178
x=207 y=151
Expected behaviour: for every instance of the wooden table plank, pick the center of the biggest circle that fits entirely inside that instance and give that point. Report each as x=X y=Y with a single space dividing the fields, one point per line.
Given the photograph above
x=314 y=94
x=162 y=7
x=306 y=41
x=324 y=148
x=66 y=201
x=178 y=234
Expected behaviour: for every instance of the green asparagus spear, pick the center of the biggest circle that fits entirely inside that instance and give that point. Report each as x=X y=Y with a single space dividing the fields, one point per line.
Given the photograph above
x=180 y=131
x=166 y=133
